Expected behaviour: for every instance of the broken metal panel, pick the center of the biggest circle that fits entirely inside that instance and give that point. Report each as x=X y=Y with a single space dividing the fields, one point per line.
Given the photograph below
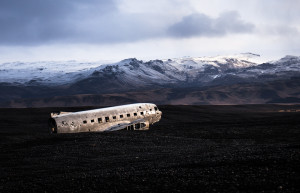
x=106 y=119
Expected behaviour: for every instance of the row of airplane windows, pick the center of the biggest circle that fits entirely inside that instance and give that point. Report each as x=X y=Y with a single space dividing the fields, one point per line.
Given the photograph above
x=106 y=119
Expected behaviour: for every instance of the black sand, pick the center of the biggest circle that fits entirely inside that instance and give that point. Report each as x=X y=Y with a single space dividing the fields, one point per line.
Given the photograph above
x=192 y=149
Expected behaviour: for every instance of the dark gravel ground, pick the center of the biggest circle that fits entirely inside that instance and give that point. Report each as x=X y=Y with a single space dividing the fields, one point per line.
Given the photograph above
x=248 y=148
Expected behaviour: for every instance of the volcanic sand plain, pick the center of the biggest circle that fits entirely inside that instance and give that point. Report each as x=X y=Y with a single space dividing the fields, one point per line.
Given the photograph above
x=239 y=148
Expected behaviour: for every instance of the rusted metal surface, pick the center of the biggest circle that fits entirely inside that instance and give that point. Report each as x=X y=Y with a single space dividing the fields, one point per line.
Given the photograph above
x=137 y=116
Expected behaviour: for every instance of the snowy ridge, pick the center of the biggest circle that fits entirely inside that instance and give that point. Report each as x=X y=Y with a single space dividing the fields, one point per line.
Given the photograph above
x=45 y=72
x=140 y=73
x=235 y=61
x=287 y=64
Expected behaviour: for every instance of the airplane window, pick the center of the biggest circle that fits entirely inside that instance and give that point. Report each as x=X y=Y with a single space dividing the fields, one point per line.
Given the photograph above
x=92 y=121
x=121 y=116
x=135 y=114
x=114 y=117
x=142 y=113
x=99 y=120
x=128 y=115
x=84 y=122
x=106 y=119
x=155 y=108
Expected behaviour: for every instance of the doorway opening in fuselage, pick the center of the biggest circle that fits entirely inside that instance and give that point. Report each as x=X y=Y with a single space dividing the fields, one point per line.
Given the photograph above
x=137 y=126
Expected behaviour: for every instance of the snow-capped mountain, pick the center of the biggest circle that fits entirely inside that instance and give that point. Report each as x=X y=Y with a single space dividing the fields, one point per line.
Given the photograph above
x=166 y=71
x=46 y=72
x=188 y=71
x=140 y=73
x=51 y=79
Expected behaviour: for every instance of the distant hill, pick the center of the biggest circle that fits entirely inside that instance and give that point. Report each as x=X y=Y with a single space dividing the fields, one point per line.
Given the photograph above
x=207 y=80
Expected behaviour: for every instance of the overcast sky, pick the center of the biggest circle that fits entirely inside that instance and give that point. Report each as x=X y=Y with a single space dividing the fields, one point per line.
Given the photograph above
x=32 y=30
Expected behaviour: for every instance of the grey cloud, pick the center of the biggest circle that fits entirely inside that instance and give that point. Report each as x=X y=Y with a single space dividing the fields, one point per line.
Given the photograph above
x=286 y=31
x=286 y=11
x=203 y=25
x=40 y=21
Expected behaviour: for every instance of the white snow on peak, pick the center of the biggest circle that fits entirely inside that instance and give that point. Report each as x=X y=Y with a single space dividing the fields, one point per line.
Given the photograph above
x=288 y=58
x=50 y=72
x=168 y=70
x=235 y=61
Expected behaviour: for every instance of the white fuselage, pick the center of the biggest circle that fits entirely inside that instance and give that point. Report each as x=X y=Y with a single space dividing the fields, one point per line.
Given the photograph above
x=132 y=117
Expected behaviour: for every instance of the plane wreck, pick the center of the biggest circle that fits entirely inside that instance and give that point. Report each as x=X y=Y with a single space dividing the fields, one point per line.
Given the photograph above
x=137 y=116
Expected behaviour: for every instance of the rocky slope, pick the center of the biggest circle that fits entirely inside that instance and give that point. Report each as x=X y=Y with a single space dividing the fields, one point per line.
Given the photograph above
x=226 y=76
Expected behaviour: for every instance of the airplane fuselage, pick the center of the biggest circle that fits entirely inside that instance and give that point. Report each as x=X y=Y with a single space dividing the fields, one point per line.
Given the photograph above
x=131 y=117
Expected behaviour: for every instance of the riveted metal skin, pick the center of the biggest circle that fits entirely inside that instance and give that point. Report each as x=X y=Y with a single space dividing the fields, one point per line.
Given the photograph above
x=137 y=116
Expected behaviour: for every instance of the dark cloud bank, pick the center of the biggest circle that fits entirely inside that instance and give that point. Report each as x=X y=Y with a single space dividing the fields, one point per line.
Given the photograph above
x=38 y=22
x=45 y=21
x=202 y=25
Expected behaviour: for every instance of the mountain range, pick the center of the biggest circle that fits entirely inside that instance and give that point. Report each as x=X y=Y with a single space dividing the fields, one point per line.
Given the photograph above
x=236 y=79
